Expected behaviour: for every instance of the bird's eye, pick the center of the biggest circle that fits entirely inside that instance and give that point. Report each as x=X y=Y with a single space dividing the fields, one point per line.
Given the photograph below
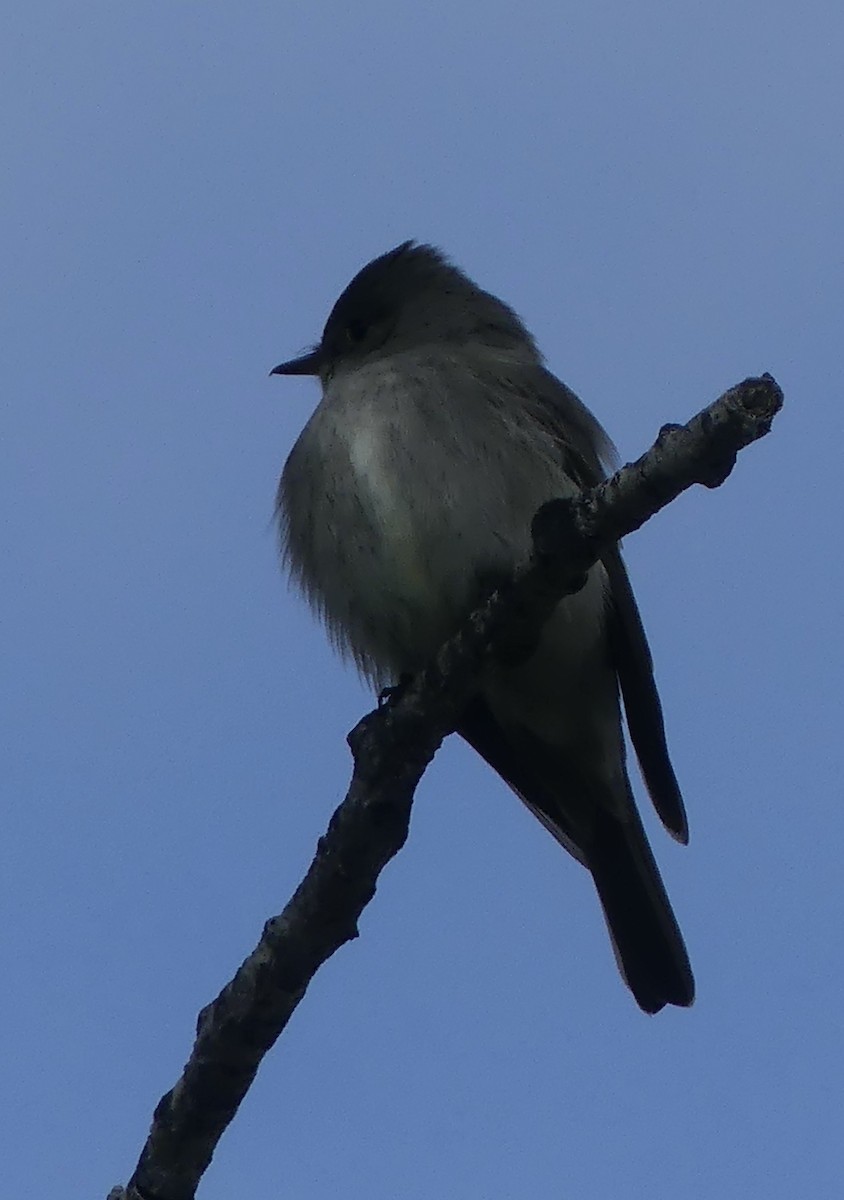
x=356 y=331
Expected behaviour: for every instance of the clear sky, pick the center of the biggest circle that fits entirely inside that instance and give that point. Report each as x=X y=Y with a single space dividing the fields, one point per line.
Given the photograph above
x=658 y=189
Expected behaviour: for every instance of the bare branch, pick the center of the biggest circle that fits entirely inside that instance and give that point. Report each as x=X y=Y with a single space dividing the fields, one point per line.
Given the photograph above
x=392 y=747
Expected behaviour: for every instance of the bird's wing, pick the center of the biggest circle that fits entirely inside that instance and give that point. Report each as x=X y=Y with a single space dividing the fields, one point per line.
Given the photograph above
x=585 y=451
x=634 y=666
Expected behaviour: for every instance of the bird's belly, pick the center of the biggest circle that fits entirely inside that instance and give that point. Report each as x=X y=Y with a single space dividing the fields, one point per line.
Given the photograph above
x=416 y=590
x=438 y=547
x=403 y=564
x=409 y=521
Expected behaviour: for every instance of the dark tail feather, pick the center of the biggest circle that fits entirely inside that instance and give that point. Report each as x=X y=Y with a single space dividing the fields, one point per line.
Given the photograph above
x=647 y=940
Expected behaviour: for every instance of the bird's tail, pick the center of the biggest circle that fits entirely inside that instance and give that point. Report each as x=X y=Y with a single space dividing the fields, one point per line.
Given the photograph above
x=648 y=944
x=607 y=836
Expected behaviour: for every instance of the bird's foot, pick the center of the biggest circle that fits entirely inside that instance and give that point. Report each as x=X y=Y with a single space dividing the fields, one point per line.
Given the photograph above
x=394 y=693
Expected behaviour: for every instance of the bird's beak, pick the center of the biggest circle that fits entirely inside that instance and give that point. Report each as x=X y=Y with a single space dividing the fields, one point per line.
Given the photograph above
x=306 y=364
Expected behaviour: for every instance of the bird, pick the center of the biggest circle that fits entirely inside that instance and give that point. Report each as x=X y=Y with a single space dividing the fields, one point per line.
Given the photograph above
x=409 y=495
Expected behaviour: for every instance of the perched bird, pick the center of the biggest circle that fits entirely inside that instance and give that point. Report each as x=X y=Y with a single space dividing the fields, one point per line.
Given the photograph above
x=410 y=491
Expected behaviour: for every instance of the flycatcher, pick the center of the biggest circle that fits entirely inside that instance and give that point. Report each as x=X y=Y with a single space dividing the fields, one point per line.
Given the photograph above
x=410 y=491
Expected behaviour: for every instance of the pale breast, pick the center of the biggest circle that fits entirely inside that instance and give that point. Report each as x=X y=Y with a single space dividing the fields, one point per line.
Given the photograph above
x=362 y=526
x=403 y=569
x=404 y=492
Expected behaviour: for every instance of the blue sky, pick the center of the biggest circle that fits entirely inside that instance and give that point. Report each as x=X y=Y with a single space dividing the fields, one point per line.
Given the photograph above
x=657 y=189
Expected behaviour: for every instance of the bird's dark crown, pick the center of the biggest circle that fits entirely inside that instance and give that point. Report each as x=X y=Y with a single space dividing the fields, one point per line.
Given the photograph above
x=413 y=295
